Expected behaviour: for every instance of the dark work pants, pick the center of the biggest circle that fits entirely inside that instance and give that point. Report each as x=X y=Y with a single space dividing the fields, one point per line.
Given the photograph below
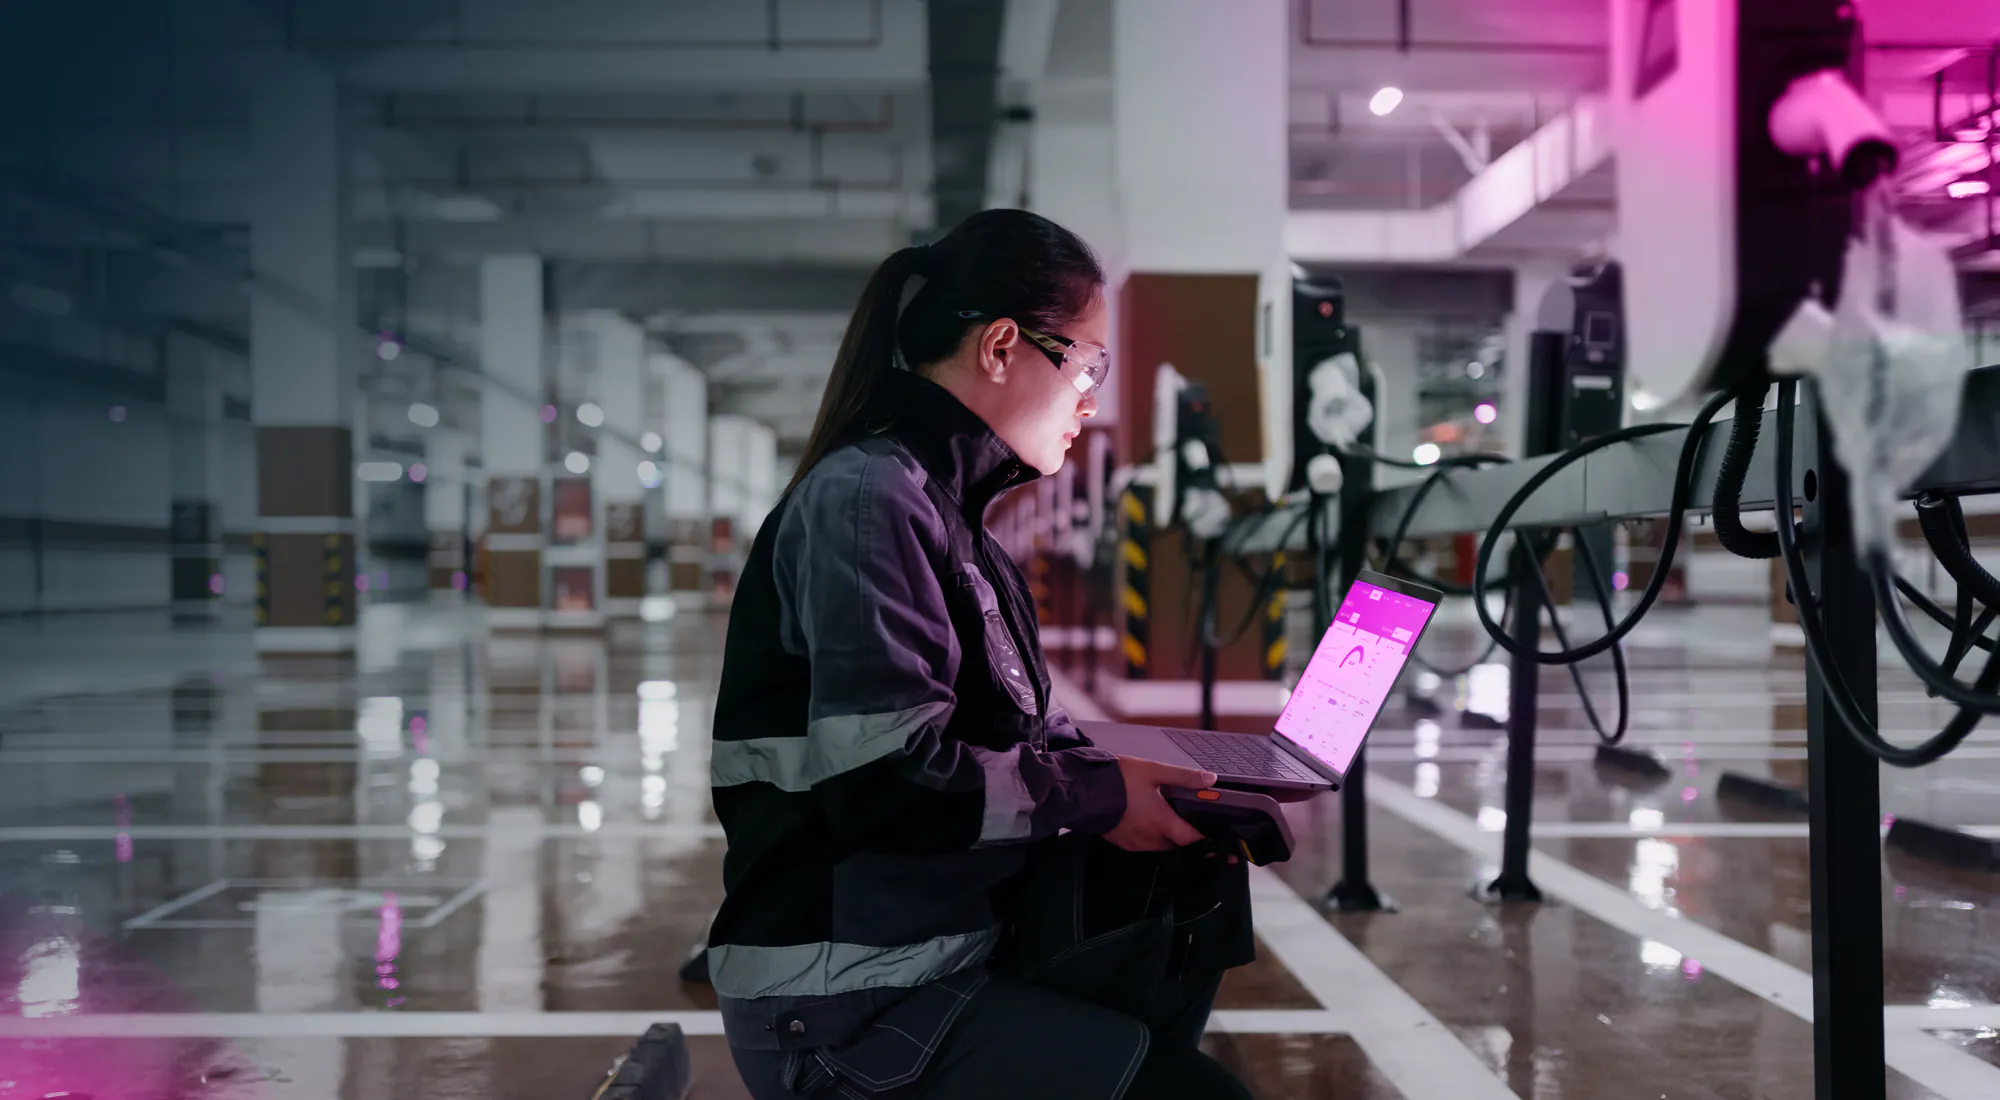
x=1100 y=990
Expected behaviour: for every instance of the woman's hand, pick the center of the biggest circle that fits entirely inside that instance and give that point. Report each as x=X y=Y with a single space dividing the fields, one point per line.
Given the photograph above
x=1150 y=824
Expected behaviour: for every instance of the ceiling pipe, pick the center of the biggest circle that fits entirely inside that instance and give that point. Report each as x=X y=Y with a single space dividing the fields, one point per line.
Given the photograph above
x=532 y=118
x=965 y=69
x=1405 y=42
x=772 y=41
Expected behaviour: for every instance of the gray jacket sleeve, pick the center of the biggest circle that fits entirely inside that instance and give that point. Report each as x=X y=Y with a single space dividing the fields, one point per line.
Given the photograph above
x=861 y=598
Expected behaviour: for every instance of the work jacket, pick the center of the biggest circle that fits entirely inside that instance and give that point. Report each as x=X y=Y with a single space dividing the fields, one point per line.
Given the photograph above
x=885 y=750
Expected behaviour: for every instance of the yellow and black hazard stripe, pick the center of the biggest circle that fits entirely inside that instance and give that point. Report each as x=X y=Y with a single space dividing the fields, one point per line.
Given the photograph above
x=337 y=556
x=1135 y=548
x=1275 y=643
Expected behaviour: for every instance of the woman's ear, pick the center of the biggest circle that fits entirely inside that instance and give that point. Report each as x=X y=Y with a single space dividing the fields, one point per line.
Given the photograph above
x=996 y=346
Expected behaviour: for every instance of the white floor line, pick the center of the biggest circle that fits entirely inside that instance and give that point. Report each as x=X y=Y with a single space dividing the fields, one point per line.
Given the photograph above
x=1543 y=830
x=176 y=904
x=1719 y=830
x=1944 y=1018
x=1937 y=1065
x=1408 y=1045
x=1277 y=1021
x=549 y=831
x=1675 y=738
x=442 y=1025
x=516 y=755
x=1945 y=1070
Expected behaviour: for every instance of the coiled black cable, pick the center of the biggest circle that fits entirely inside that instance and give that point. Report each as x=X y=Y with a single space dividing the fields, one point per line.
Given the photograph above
x=1942 y=521
x=1396 y=566
x=1727 y=511
x=1676 y=514
x=1832 y=683
x=1620 y=674
x=1263 y=587
x=1882 y=570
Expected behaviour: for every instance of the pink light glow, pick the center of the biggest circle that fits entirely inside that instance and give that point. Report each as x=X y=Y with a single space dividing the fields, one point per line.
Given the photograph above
x=548 y=414
x=1485 y=413
x=458 y=580
x=1691 y=968
x=388 y=942
x=124 y=847
x=418 y=472
x=1888 y=820
x=215 y=584
x=1689 y=794
x=1965 y=189
x=419 y=723
x=389 y=935
x=361 y=582
x=1620 y=581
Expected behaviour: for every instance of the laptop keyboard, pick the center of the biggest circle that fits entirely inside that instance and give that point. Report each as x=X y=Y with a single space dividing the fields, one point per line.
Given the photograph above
x=1227 y=754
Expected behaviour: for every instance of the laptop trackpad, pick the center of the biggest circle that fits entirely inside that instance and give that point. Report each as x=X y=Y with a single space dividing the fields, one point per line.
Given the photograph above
x=1143 y=742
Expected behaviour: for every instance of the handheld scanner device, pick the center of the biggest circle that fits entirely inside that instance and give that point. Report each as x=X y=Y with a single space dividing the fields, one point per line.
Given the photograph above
x=1247 y=823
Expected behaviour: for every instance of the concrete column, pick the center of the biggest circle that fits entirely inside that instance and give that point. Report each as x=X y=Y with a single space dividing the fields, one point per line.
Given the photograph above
x=445 y=508
x=513 y=438
x=621 y=496
x=1072 y=168
x=199 y=459
x=1199 y=101
x=302 y=345
x=684 y=448
x=728 y=470
x=684 y=435
x=1199 y=104
x=759 y=477
x=742 y=480
x=1391 y=348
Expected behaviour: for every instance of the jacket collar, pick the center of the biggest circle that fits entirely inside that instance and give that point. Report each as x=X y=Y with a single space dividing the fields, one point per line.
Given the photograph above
x=953 y=444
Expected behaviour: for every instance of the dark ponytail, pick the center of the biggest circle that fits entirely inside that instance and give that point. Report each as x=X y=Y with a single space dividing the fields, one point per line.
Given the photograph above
x=1002 y=263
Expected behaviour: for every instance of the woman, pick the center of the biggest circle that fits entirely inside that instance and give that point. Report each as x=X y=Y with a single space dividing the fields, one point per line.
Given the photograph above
x=936 y=887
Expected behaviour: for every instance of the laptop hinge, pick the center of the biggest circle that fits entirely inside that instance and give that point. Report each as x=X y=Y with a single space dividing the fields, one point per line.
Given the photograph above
x=1311 y=762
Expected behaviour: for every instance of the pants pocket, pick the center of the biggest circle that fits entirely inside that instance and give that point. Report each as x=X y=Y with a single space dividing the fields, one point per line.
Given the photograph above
x=894 y=1050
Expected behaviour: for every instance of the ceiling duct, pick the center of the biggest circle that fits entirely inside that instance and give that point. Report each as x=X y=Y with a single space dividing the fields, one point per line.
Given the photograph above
x=965 y=70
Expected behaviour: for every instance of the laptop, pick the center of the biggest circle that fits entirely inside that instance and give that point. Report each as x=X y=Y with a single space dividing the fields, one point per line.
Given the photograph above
x=1331 y=710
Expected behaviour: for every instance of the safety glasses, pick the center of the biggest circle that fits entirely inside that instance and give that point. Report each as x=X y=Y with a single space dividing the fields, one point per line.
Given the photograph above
x=1085 y=364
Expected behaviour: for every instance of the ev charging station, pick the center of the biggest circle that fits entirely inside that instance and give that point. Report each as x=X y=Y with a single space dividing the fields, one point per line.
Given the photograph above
x=1743 y=118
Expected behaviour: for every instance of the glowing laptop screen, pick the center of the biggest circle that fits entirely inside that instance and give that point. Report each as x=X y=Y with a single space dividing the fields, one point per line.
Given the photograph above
x=1352 y=672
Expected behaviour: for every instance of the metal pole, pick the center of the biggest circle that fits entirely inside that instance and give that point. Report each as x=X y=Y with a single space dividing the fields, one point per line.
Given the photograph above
x=1354 y=892
x=1524 y=687
x=1846 y=812
x=1205 y=622
x=1098 y=580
